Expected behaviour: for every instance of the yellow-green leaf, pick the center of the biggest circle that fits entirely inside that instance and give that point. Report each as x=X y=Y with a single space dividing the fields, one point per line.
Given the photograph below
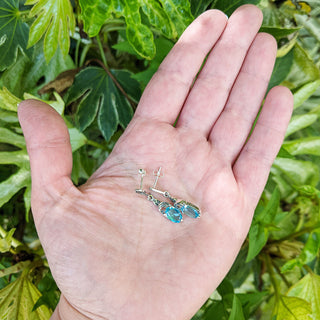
x=308 y=288
x=18 y=299
x=56 y=20
x=292 y=308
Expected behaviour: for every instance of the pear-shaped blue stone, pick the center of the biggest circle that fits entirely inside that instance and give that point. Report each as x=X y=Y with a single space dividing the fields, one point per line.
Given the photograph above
x=173 y=214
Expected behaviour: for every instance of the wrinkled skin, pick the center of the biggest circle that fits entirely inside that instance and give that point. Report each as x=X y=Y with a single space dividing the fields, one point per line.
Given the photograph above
x=112 y=254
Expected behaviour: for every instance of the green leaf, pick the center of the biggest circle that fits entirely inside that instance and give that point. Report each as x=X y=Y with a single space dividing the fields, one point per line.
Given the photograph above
x=311 y=24
x=6 y=241
x=308 y=253
x=309 y=145
x=158 y=17
x=251 y=301
x=22 y=179
x=170 y=17
x=292 y=308
x=163 y=47
x=199 y=6
x=228 y=6
x=300 y=122
x=17 y=301
x=304 y=70
x=267 y=215
x=258 y=237
x=13 y=184
x=18 y=267
x=278 y=32
x=139 y=36
x=93 y=14
x=55 y=19
x=29 y=75
x=305 y=92
x=297 y=172
x=236 y=311
x=13 y=33
x=179 y=13
x=281 y=70
x=308 y=289
x=99 y=97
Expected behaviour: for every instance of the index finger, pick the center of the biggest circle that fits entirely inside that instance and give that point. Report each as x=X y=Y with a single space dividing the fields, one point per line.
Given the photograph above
x=165 y=94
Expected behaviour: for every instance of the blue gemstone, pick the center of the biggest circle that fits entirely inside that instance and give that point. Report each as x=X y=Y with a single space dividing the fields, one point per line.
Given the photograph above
x=191 y=211
x=173 y=214
x=188 y=209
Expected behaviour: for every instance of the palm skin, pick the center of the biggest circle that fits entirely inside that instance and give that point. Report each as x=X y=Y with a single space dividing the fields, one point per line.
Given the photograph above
x=111 y=252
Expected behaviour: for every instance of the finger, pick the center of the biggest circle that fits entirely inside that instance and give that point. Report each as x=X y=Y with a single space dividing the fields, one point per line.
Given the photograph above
x=168 y=88
x=252 y=167
x=235 y=122
x=212 y=87
x=49 y=149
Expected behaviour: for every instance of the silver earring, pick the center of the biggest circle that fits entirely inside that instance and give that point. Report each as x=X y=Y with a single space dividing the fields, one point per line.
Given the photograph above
x=167 y=210
x=183 y=206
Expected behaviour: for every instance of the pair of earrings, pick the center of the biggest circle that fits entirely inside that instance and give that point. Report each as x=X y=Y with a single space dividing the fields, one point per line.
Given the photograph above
x=173 y=211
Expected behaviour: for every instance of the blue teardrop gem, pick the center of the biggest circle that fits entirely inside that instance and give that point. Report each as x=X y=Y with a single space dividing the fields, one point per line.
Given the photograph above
x=173 y=214
x=188 y=209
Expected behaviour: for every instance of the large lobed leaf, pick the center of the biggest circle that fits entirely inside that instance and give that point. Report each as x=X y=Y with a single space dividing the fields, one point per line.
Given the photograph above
x=100 y=97
x=13 y=33
x=55 y=19
x=18 y=299
x=308 y=288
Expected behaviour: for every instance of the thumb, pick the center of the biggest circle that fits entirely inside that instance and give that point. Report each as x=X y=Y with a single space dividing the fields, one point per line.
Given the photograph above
x=49 y=149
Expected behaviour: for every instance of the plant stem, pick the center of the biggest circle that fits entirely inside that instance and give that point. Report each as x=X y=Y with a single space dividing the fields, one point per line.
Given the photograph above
x=281 y=274
x=97 y=145
x=103 y=56
x=84 y=54
x=76 y=58
x=296 y=234
x=272 y=276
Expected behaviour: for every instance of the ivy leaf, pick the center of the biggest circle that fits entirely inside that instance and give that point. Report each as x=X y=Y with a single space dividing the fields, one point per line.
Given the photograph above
x=99 y=97
x=308 y=289
x=55 y=19
x=18 y=298
x=13 y=33
x=292 y=308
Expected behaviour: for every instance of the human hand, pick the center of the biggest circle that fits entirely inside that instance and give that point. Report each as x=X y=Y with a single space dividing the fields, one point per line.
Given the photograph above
x=112 y=254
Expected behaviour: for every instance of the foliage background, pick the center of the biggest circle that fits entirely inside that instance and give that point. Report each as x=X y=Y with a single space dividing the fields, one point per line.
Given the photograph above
x=91 y=61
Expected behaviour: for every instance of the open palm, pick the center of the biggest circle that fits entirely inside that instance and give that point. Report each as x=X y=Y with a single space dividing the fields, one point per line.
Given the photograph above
x=111 y=252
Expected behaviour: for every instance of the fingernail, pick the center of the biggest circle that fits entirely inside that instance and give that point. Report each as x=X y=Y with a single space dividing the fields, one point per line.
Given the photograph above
x=226 y=16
